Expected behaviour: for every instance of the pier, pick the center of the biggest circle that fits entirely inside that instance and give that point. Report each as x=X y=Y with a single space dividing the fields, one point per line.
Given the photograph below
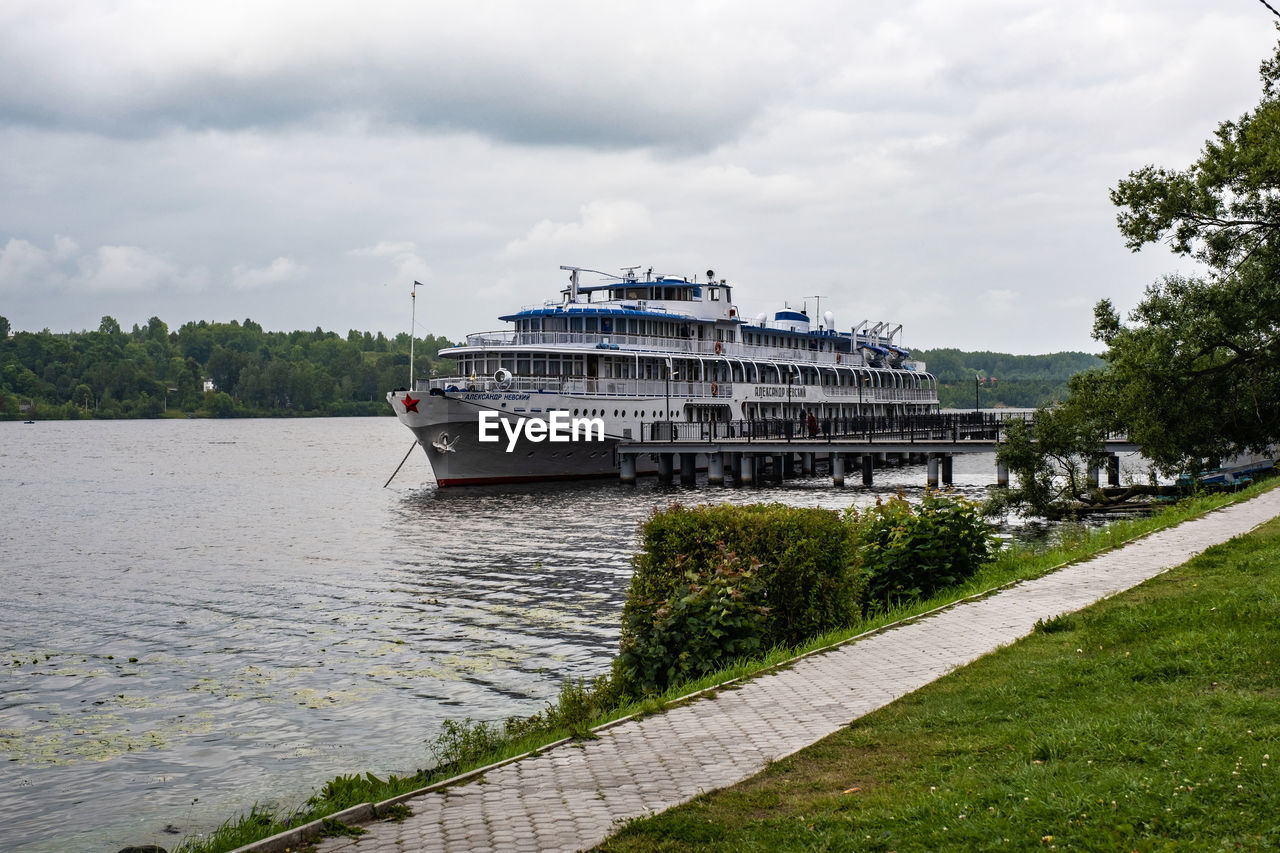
x=762 y=451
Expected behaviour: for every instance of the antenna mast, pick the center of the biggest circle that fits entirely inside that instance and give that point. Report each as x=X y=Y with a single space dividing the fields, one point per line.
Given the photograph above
x=413 y=327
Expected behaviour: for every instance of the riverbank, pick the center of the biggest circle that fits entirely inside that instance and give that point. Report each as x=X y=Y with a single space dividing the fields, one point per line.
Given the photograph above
x=1099 y=540
x=1146 y=720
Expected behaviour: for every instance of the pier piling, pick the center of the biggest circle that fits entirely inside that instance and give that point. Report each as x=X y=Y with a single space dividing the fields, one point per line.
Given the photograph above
x=715 y=469
x=688 y=469
x=665 y=467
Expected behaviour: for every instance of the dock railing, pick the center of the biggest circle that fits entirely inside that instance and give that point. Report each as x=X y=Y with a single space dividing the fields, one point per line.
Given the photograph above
x=954 y=427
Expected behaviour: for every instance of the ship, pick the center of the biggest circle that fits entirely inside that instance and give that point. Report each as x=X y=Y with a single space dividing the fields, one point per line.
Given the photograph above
x=638 y=354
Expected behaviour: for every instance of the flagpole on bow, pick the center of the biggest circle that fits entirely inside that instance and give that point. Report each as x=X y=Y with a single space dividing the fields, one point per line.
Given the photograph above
x=413 y=329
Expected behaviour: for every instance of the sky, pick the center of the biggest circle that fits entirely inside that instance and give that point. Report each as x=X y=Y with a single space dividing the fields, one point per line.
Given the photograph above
x=944 y=164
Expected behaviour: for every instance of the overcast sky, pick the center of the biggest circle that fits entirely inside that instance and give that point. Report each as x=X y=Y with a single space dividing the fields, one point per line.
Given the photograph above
x=942 y=164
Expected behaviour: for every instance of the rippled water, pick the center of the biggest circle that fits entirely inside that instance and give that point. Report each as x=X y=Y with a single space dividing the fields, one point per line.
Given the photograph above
x=203 y=614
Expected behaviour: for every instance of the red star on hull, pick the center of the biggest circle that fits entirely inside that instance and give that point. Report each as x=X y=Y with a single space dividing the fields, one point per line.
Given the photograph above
x=410 y=404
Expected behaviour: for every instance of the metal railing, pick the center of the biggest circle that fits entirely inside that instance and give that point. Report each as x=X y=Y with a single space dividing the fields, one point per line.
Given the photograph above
x=608 y=341
x=955 y=428
x=584 y=386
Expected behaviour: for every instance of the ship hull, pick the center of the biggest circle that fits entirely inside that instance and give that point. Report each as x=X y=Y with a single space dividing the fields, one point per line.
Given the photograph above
x=448 y=430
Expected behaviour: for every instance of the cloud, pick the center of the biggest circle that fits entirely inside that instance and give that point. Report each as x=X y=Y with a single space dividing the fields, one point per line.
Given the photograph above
x=596 y=75
x=122 y=269
x=1000 y=300
x=27 y=268
x=23 y=265
x=404 y=258
x=278 y=271
x=601 y=223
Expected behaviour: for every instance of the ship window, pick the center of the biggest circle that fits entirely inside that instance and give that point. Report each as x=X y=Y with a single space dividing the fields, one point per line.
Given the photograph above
x=715 y=294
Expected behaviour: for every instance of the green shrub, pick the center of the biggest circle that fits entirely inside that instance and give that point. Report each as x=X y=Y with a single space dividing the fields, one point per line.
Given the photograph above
x=705 y=624
x=714 y=583
x=908 y=553
x=464 y=743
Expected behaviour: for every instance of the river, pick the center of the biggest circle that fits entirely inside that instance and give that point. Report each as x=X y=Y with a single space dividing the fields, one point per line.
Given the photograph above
x=203 y=614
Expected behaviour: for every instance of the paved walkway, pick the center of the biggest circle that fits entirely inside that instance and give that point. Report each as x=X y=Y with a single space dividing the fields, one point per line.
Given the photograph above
x=574 y=796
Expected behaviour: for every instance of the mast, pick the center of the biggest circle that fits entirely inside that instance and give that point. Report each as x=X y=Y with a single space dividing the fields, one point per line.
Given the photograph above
x=413 y=328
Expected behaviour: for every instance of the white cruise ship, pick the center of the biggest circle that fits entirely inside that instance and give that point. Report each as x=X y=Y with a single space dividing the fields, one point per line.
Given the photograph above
x=642 y=349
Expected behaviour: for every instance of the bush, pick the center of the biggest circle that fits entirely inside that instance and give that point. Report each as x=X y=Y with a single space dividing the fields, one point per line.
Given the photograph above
x=909 y=553
x=715 y=583
x=465 y=742
x=707 y=623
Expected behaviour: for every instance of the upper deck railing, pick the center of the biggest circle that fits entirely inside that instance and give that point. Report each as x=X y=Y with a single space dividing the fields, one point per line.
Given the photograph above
x=679 y=346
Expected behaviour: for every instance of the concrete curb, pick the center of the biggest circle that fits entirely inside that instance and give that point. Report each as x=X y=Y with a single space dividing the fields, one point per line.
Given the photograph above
x=307 y=832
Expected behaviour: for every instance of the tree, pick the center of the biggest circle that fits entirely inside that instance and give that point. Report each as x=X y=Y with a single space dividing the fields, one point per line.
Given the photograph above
x=1195 y=373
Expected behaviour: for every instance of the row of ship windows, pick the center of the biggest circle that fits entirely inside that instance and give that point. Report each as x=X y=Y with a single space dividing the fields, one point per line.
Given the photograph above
x=600 y=413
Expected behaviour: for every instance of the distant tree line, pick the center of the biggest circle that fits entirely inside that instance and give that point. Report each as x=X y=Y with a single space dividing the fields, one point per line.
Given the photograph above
x=1001 y=379
x=151 y=371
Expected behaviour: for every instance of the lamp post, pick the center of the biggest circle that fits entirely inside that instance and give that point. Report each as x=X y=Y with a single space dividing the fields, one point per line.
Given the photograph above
x=976 y=382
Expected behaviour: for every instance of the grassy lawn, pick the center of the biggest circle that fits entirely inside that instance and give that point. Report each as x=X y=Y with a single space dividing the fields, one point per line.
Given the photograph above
x=1146 y=722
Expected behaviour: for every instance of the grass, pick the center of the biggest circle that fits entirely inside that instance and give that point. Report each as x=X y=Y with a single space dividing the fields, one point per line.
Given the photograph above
x=1013 y=564
x=1148 y=721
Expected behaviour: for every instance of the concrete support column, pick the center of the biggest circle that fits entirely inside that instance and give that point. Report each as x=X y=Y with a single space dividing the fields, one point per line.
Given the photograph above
x=688 y=469
x=1002 y=475
x=946 y=469
x=932 y=478
x=715 y=469
x=837 y=469
x=868 y=465
x=1113 y=470
x=666 y=467
x=806 y=464
x=780 y=467
x=746 y=471
x=627 y=466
